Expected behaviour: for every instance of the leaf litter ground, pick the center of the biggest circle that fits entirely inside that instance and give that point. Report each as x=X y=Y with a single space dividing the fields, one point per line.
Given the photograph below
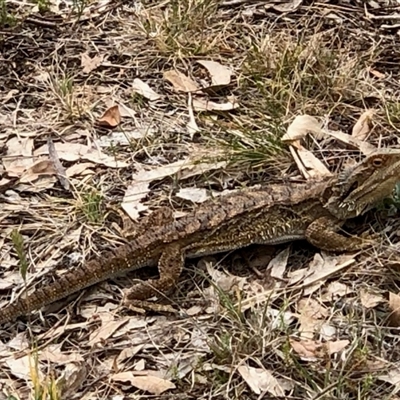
x=146 y=104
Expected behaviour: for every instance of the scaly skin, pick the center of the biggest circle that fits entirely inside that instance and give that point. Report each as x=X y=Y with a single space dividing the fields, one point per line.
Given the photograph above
x=314 y=211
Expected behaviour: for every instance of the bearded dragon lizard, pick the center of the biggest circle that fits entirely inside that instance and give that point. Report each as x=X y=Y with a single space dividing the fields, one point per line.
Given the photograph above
x=315 y=211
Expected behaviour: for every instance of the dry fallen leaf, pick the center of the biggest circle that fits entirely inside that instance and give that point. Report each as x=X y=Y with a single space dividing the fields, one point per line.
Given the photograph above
x=301 y=126
x=311 y=350
x=89 y=64
x=139 y=187
x=75 y=375
x=353 y=142
x=307 y=349
x=280 y=319
x=192 y=126
x=335 y=290
x=106 y=330
x=284 y=7
x=111 y=118
x=376 y=73
x=362 y=127
x=128 y=352
x=79 y=169
x=322 y=267
x=297 y=275
x=77 y=151
x=393 y=377
x=18 y=156
x=10 y=279
x=40 y=168
x=279 y=263
x=370 y=300
x=226 y=282
x=54 y=332
x=207 y=105
x=333 y=347
x=145 y=90
x=394 y=305
x=220 y=75
x=180 y=82
x=311 y=318
x=197 y=195
x=54 y=354
x=261 y=380
x=20 y=367
x=149 y=383
x=309 y=165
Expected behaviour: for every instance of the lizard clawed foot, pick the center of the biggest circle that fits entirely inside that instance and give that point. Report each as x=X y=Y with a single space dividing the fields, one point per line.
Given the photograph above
x=370 y=239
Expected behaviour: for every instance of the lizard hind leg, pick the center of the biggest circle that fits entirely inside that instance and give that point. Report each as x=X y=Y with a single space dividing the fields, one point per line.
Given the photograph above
x=170 y=265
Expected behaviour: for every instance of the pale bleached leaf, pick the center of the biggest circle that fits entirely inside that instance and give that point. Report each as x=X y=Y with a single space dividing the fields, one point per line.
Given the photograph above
x=208 y=105
x=180 y=81
x=280 y=319
x=192 y=126
x=307 y=349
x=132 y=201
x=21 y=367
x=284 y=7
x=61 y=174
x=301 y=126
x=148 y=383
x=309 y=165
x=139 y=187
x=128 y=352
x=327 y=331
x=335 y=290
x=44 y=167
x=74 y=375
x=321 y=268
x=80 y=169
x=392 y=377
x=336 y=346
x=362 y=127
x=261 y=380
x=76 y=151
x=144 y=90
x=90 y=63
x=312 y=315
x=369 y=299
x=278 y=264
x=220 y=74
x=227 y=282
x=18 y=156
x=353 y=142
x=394 y=305
x=106 y=330
x=54 y=354
x=197 y=195
x=126 y=111
x=10 y=279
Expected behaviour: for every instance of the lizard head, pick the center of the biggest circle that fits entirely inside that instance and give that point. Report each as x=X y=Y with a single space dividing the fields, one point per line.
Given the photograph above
x=361 y=187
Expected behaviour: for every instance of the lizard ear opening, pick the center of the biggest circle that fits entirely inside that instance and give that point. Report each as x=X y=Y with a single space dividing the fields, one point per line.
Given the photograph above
x=377 y=162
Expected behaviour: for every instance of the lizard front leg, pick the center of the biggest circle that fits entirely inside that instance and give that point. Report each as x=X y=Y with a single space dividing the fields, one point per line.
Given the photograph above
x=170 y=265
x=322 y=233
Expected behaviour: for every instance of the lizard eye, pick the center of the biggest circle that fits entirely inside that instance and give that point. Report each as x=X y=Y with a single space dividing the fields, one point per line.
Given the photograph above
x=377 y=162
